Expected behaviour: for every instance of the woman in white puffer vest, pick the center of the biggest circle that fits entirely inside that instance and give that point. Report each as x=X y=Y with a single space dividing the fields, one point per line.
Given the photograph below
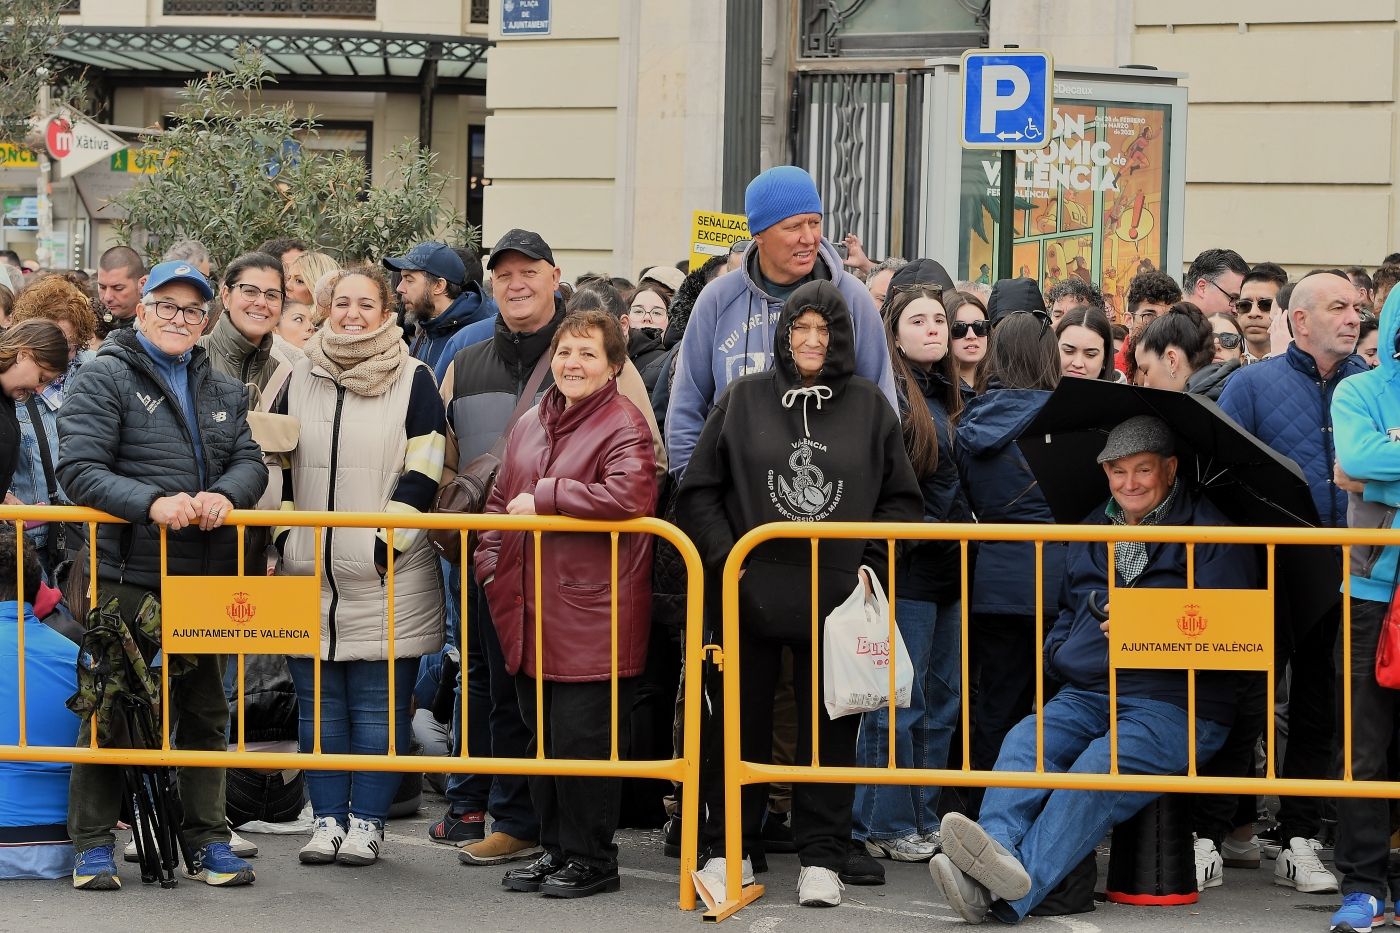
x=372 y=440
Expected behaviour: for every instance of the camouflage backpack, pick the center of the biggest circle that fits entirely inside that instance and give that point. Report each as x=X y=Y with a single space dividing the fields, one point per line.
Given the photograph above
x=113 y=660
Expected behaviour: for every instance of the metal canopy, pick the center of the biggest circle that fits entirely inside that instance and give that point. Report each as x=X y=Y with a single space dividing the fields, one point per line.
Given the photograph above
x=306 y=59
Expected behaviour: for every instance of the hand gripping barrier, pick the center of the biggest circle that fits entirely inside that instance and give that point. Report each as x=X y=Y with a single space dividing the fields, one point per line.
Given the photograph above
x=233 y=621
x=1134 y=613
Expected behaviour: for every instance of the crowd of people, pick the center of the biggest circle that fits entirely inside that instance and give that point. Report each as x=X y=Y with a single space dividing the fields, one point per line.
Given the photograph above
x=781 y=382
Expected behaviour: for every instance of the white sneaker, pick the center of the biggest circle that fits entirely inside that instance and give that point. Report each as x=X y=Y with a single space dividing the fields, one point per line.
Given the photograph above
x=710 y=880
x=129 y=853
x=819 y=887
x=326 y=840
x=241 y=847
x=1210 y=870
x=362 y=843
x=1240 y=854
x=910 y=848
x=1299 y=867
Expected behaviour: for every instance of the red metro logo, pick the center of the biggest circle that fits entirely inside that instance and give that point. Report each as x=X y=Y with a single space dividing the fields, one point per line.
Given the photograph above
x=1192 y=623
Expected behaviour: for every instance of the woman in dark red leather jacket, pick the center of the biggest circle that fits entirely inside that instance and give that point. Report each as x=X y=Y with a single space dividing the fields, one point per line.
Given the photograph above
x=585 y=452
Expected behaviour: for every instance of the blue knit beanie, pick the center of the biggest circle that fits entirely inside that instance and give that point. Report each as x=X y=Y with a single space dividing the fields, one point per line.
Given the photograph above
x=778 y=194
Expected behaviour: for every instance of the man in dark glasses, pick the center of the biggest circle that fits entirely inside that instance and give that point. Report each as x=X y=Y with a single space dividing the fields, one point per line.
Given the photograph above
x=1213 y=281
x=1258 y=305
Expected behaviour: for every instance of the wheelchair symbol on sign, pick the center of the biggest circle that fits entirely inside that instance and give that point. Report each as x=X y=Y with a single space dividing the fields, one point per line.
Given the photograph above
x=1032 y=131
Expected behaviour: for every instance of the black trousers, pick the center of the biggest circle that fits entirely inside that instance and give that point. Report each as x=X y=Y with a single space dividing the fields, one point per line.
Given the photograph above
x=578 y=815
x=821 y=813
x=1214 y=815
x=1003 y=655
x=1312 y=722
x=1363 y=824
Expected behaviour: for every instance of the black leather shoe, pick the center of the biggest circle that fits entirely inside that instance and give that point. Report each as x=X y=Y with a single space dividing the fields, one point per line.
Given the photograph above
x=777 y=834
x=860 y=867
x=530 y=877
x=579 y=880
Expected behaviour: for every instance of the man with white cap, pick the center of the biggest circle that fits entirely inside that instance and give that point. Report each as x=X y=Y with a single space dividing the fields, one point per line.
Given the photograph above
x=731 y=329
x=1028 y=839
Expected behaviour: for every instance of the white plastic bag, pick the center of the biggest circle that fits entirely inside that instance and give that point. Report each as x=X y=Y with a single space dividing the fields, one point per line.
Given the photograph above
x=856 y=642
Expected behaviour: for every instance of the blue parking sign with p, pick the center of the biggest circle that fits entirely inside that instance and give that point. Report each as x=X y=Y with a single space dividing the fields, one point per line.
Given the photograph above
x=1006 y=98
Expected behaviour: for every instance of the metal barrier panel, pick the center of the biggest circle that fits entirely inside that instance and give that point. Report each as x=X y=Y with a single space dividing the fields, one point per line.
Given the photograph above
x=739 y=772
x=207 y=596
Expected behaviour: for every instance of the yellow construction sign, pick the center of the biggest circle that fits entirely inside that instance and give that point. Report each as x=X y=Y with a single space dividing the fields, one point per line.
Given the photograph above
x=712 y=233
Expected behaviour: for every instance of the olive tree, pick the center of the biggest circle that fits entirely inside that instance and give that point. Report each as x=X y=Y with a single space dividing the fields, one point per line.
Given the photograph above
x=233 y=172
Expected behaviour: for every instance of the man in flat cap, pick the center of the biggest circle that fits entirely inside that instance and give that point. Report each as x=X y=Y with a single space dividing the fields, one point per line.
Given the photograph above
x=1029 y=839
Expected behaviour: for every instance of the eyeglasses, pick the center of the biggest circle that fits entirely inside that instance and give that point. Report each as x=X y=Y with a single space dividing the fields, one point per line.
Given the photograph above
x=959 y=329
x=1229 y=341
x=647 y=314
x=251 y=292
x=1143 y=317
x=1245 y=304
x=169 y=311
x=1233 y=298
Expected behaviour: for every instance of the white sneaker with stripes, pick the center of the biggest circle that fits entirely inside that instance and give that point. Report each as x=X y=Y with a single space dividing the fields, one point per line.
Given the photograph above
x=362 y=844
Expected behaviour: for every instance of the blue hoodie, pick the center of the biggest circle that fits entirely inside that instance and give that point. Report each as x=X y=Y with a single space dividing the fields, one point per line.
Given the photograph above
x=33 y=793
x=730 y=334
x=436 y=338
x=1366 y=431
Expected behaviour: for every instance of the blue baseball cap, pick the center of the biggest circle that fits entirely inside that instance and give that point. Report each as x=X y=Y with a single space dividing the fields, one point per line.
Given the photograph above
x=177 y=270
x=434 y=258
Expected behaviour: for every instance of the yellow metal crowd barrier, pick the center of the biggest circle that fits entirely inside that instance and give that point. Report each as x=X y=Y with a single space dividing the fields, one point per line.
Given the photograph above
x=738 y=772
x=207 y=596
x=201 y=595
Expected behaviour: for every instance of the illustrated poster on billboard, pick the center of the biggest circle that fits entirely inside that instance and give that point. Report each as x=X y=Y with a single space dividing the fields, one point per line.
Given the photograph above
x=1091 y=204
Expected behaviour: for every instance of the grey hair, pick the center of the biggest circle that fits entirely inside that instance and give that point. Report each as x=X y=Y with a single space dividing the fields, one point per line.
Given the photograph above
x=893 y=264
x=188 y=250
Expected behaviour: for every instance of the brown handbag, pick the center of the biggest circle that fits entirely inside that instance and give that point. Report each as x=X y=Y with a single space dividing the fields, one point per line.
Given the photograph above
x=471 y=487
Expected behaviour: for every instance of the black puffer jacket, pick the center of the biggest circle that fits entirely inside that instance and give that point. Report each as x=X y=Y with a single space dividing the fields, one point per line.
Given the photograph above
x=123 y=443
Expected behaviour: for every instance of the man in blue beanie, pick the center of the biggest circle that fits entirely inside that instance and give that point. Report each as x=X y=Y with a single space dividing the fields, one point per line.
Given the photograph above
x=731 y=329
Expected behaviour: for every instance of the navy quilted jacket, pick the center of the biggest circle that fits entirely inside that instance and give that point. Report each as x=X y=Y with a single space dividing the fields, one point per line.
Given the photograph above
x=1287 y=404
x=123 y=443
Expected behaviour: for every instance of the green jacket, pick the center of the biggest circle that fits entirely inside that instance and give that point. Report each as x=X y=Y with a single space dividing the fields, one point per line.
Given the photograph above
x=234 y=355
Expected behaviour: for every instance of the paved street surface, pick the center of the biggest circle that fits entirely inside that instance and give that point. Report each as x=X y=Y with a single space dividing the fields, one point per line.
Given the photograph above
x=419 y=887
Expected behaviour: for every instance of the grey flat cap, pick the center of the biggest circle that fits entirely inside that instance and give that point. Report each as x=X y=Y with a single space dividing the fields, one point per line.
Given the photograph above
x=1142 y=434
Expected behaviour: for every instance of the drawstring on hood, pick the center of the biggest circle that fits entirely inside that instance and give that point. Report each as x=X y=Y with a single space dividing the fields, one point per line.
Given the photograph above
x=820 y=393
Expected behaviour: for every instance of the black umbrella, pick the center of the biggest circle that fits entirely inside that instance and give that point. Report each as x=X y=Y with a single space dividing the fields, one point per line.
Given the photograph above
x=1250 y=482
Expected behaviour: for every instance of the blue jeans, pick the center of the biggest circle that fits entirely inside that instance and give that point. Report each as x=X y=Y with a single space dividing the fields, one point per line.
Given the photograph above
x=354 y=720
x=1052 y=831
x=932 y=635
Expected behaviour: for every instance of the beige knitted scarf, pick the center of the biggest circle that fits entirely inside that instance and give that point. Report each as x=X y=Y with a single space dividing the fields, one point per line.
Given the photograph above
x=367 y=364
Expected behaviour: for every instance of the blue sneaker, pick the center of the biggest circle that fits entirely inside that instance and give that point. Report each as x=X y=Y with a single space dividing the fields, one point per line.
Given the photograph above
x=1358 y=914
x=217 y=865
x=95 y=870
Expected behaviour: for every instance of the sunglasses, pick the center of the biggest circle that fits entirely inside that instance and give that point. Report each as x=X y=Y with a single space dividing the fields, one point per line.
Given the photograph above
x=1243 y=305
x=959 y=329
x=1229 y=341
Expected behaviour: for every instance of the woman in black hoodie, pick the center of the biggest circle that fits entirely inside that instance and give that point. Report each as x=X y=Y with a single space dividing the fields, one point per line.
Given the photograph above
x=806 y=441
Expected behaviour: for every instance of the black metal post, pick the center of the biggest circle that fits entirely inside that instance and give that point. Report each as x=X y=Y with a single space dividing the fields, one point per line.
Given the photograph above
x=743 y=61
x=1006 y=223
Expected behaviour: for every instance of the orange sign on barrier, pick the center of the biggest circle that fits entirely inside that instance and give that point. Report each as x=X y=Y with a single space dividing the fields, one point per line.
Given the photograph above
x=241 y=615
x=1174 y=629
